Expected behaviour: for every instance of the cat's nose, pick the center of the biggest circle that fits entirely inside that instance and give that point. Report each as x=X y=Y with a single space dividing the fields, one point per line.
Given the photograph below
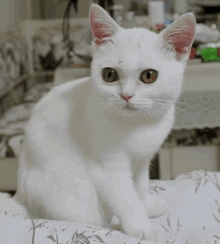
x=126 y=98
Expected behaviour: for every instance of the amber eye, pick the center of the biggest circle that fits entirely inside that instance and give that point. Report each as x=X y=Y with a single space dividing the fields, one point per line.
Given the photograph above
x=109 y=75
x=149 y=76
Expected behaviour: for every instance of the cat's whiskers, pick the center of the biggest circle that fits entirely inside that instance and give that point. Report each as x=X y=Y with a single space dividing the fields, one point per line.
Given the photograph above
x=167 y=106
x=170 y=101
x=180 y=112
x=158 y=111
x=148 y=112
x=141 y=102
x=160 y=100
x=151 y=111
x=177 y=110
x=161 y=107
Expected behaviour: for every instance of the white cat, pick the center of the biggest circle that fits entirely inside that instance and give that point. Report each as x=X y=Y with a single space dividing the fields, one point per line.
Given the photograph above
x=89 y=142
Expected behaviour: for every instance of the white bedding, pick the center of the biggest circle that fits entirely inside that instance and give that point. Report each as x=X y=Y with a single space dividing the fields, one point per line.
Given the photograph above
x=193 y=217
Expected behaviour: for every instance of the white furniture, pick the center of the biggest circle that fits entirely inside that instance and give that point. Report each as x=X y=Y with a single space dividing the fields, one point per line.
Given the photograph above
x=202 y=77
x=201 y=92
x=178 y=160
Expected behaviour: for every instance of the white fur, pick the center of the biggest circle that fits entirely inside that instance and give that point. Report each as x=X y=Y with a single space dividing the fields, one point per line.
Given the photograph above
x=84 y=156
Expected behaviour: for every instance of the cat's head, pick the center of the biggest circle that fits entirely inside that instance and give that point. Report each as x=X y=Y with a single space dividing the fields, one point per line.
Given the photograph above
x=137 y=70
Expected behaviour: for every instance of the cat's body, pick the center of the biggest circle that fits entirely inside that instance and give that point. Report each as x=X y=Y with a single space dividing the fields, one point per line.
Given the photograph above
x=84 y=140
x=89 y=142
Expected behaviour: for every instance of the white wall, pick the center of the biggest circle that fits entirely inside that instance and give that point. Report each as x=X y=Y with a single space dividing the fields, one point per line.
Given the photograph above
x=7 y=14
x=54 y=9
x=13 y=12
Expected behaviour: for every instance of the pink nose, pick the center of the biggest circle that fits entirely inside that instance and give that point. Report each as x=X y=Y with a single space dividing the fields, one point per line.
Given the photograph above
x=126 y=98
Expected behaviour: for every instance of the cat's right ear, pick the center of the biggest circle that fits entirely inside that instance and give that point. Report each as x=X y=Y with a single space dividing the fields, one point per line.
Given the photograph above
x=102 y=25
x=179 y=36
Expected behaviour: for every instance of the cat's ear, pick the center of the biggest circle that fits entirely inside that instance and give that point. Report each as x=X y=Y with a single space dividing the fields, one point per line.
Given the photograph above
x=102 y=25
x=179 y=36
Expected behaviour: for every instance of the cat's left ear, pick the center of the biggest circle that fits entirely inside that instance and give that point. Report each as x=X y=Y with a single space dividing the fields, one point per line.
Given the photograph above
x=179 y=36
x=102 y=25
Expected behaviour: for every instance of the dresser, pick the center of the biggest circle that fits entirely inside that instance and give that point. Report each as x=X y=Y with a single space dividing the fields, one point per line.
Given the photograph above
x=201 y=107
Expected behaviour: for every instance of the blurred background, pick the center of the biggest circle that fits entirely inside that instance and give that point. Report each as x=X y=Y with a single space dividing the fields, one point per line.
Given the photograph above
x=45 y=43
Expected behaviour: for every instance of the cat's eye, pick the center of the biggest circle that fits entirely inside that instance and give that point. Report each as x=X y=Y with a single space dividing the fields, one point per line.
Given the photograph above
x=149 y=76
x=109 y=75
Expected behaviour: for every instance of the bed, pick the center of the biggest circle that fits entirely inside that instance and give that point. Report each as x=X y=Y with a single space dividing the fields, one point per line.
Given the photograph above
x=192 y=217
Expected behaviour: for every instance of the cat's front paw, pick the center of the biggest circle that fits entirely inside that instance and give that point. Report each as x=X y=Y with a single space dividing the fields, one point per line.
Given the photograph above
x=155 y=206
x=115 y=224
x=140 y=229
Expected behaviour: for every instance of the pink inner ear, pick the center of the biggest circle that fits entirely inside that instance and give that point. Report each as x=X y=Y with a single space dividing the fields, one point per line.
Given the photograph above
x=99 y=30
x=181 y=38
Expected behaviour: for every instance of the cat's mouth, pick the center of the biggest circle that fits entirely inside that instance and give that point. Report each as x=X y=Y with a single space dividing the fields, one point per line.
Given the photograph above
x=130 y=108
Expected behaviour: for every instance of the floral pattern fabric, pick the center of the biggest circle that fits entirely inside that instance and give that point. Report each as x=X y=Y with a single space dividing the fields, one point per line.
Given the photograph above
x=192 y=217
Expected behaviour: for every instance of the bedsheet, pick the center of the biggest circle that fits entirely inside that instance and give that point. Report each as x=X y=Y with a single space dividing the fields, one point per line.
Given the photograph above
x=192 y=217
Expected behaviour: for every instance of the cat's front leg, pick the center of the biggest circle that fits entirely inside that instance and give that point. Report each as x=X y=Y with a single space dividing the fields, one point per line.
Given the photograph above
x=155 y=206
x=113 y=182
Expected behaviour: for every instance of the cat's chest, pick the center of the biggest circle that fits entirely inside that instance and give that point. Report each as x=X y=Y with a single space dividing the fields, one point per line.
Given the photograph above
x=146 y=140
x=133 y=135
x=143 y=140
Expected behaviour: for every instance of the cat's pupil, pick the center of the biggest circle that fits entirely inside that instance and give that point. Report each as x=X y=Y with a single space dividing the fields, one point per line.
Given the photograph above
x=148 y=75
x=109 y=74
